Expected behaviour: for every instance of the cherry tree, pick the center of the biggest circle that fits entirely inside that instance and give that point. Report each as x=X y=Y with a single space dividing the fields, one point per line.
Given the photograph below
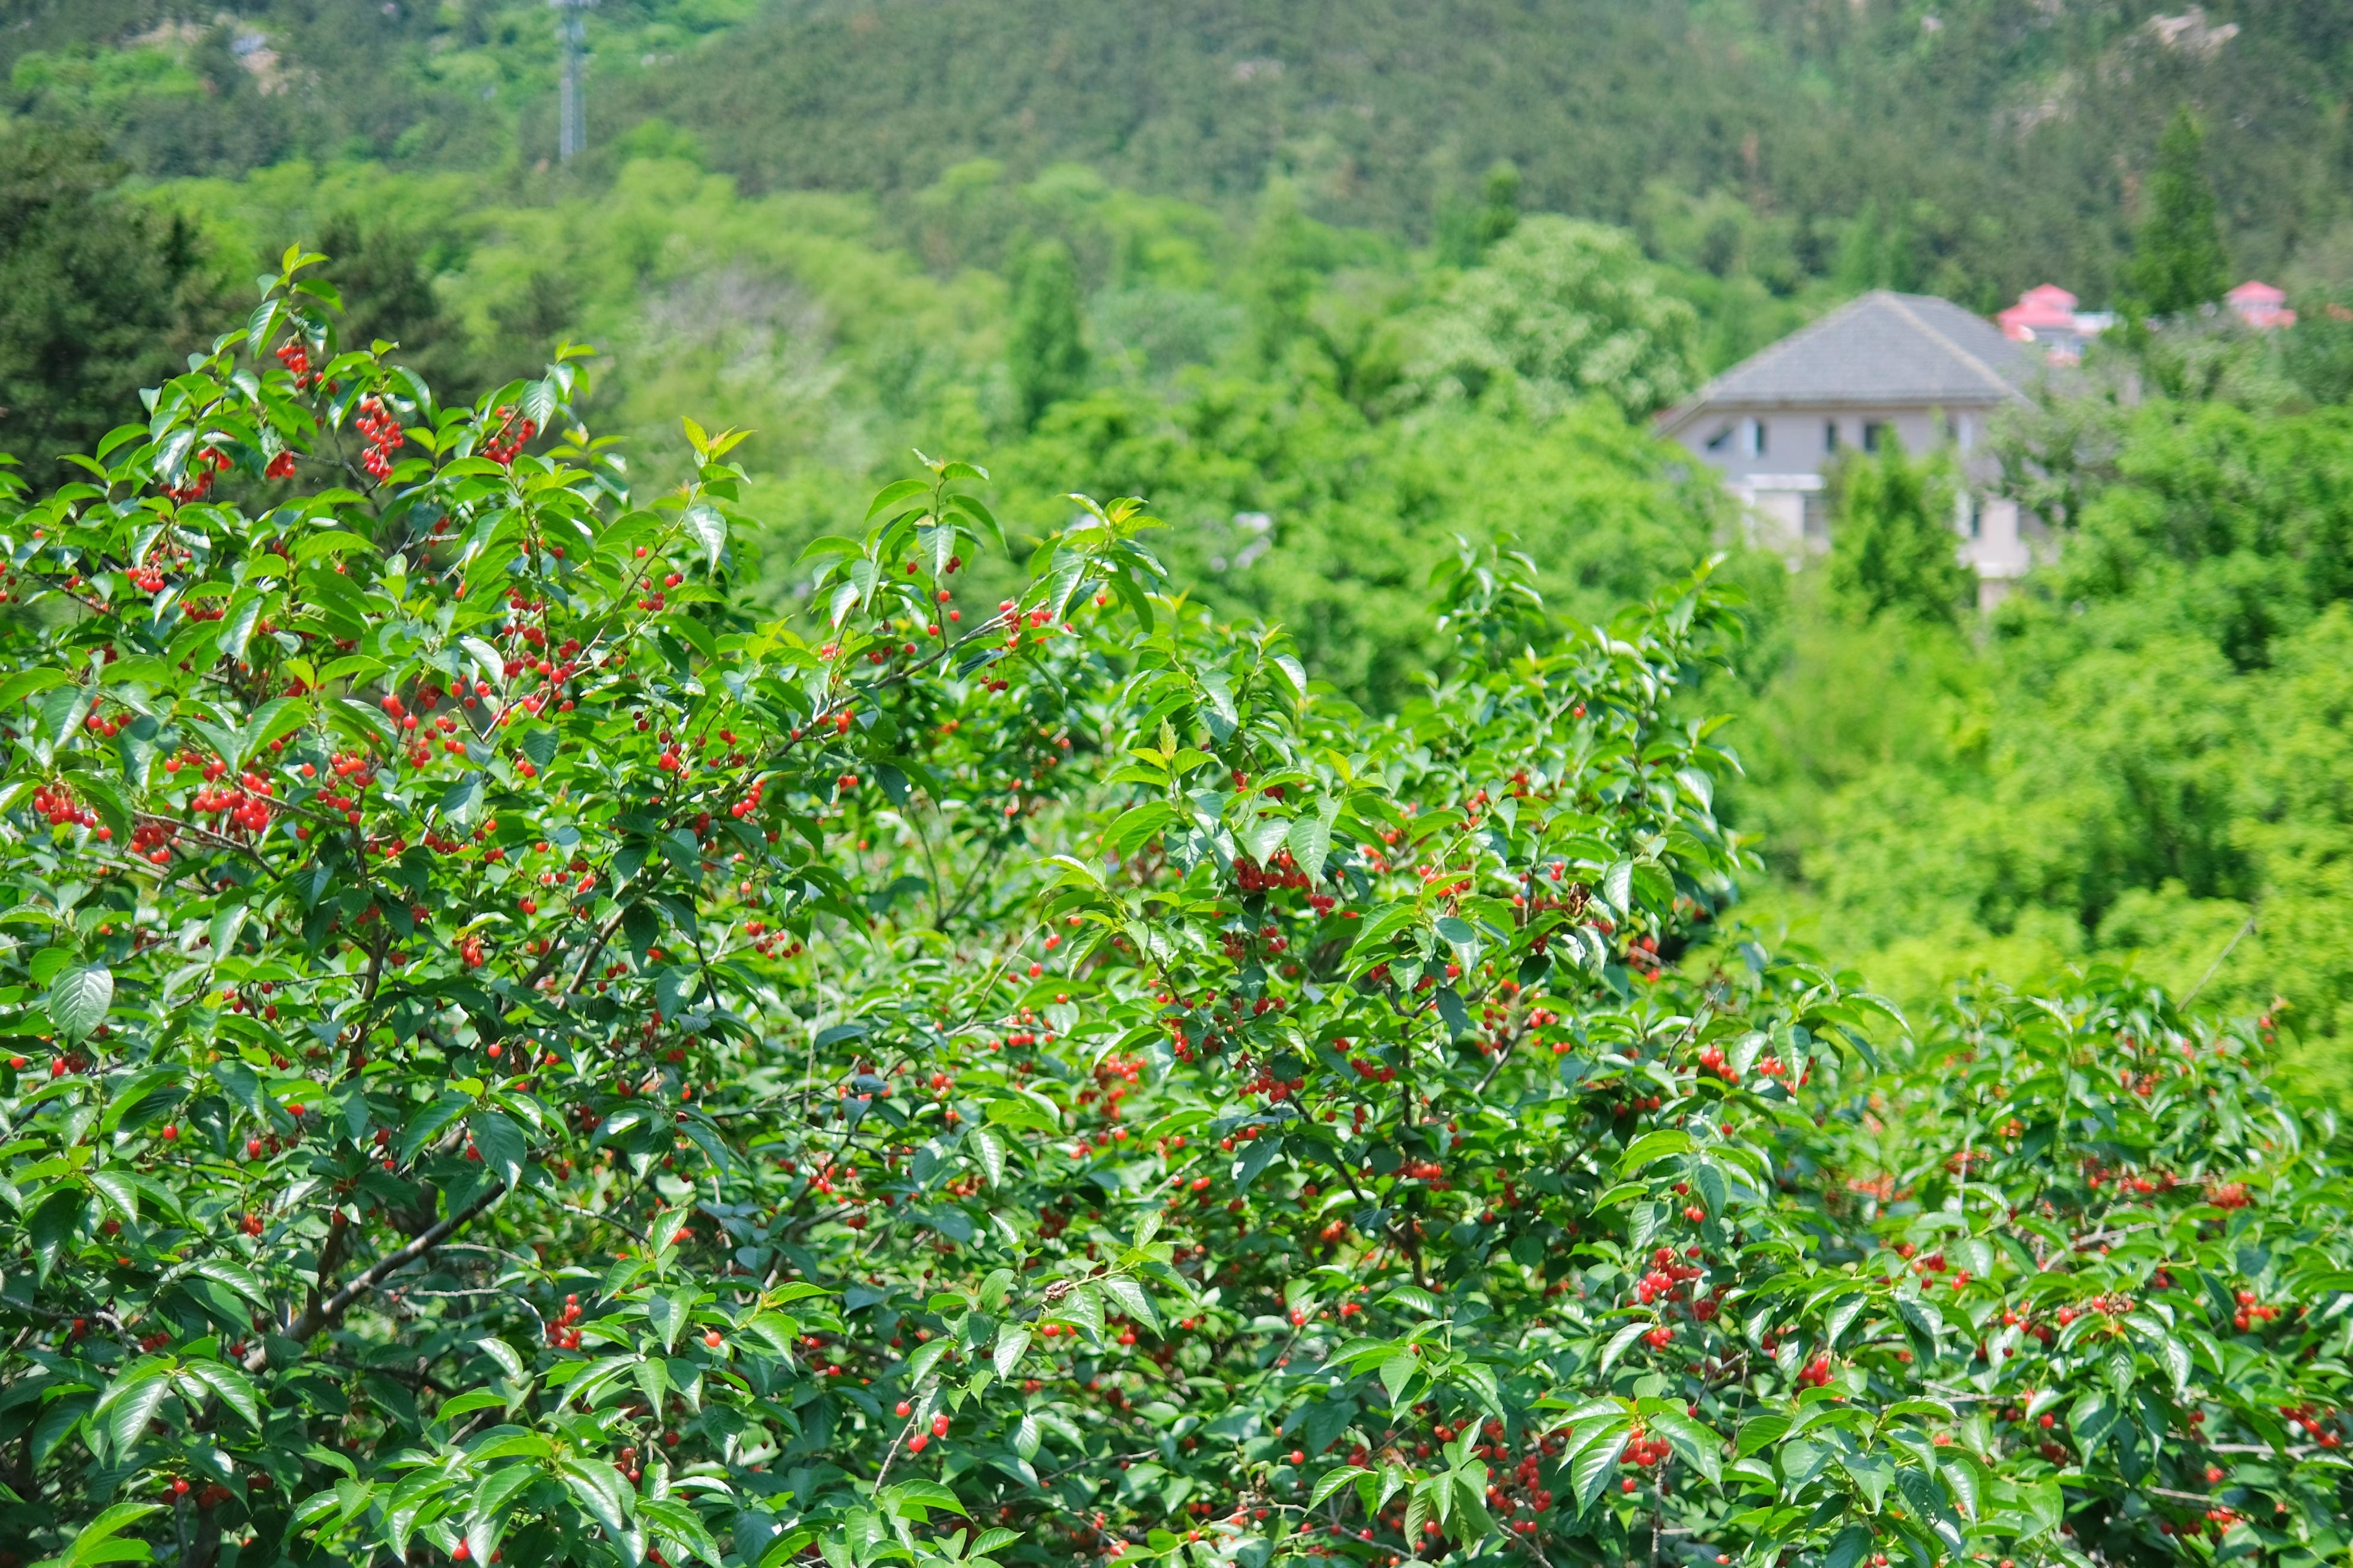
x=519 y=1054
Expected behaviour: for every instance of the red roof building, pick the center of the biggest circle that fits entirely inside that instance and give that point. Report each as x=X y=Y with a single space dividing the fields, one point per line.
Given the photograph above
x=2047 y=315
x=2260 y=305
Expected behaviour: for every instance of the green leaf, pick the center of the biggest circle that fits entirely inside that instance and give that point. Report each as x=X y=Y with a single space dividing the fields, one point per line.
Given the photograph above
x=501 y=1143
x=133 y=1408
x=1653 y=1145
x=1332 y=1481
x=466 y=1404
x=1759 y=1432
x=1870 y=1474
x=894 y=493
x=682 y=1524
x=989 y=1149
x=1310 y=843
x=28 y=683
x=236 y=1278
x=1621 y=1341
x=1699 y=1446
x=422 y=1127
x=233 y=1387
x=2176 y=1356
x=1591 y=1467
x=599 y=1488
x=80 y=995
x=1961 y=1478
x=704 y=524
x=912 y=1498
x=1133 y=1300
x=97 y=1541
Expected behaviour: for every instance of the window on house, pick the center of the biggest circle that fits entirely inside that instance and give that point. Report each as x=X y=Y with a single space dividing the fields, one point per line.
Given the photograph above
x=1977 y=517
x=1830 y=435
x=1871 y=430
x=1814 y=516
x=1716 y=442
x=1752 y=437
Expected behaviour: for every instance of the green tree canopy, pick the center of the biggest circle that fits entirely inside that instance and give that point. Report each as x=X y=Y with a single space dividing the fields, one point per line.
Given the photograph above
x=1559 y=310
x=516 y=1055
x=1048 y=356
x=2177 y=263
x=96 y=295
x=1893 y=548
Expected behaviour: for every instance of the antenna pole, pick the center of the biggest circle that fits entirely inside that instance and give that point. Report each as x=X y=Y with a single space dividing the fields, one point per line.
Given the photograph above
x=572 y=108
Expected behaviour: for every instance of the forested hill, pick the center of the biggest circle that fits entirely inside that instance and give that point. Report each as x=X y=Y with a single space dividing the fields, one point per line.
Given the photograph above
x=1975 y=138
x=1969 y=148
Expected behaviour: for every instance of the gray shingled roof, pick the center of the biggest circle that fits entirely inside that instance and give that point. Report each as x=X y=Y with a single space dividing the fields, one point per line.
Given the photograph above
x=1883 y=348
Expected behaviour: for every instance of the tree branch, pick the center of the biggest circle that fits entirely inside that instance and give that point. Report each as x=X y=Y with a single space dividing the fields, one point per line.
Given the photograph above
x=324 y=1314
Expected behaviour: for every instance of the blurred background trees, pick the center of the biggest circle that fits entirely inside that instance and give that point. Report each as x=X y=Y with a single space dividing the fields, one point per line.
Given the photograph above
x=1336 y=286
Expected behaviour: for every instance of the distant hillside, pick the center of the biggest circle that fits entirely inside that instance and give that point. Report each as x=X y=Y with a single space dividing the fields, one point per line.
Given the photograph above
x=1970 y=147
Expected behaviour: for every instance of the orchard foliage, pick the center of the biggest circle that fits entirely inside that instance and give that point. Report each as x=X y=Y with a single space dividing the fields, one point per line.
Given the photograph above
x=515 y=1056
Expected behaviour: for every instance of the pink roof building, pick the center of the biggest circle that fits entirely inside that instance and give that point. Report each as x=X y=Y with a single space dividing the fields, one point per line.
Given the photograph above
x=2041 y=309
x=2260 y=306
x=2047 y=315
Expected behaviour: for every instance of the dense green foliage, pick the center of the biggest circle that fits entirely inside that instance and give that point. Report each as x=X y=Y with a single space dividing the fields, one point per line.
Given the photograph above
x=99 y=293
x=2143 y=758
x=2177 y=263
x=517 y=1054
x=1892 y=535
x=1319 y=405
x=1971 y=150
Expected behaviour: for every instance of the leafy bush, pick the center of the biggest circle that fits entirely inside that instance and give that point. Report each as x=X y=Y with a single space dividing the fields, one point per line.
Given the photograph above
x=1893 y=547
x=514 y=1057
x=1558 y=311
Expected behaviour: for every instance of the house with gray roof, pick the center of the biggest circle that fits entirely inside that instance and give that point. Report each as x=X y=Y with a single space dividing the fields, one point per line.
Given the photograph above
x=1920 y=368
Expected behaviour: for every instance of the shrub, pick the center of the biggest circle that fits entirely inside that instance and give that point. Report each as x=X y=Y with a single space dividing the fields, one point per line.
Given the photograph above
x=513 y=1059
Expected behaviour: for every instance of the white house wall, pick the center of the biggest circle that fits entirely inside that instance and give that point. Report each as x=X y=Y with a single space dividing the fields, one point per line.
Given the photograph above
x=1779 y=478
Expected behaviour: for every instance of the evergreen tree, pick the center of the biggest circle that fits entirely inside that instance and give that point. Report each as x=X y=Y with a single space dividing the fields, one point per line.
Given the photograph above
x=1876 y=251
x=1279 y=275
x=1048 y=358
x=1893 y=548
x=1501 y=213
x=2178 y=261
x=95 y=296
x=386 y=287
x=1467 y=226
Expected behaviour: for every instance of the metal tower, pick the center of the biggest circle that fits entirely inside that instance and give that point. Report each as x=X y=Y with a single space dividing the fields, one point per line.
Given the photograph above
x=572 y=108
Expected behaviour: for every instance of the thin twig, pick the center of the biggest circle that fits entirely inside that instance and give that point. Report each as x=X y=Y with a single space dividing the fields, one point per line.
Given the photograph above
x=2246 y=926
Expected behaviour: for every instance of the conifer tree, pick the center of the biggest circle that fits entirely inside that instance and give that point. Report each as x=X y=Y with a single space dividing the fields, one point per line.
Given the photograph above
x=2178 y=261
x=1048 y=356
